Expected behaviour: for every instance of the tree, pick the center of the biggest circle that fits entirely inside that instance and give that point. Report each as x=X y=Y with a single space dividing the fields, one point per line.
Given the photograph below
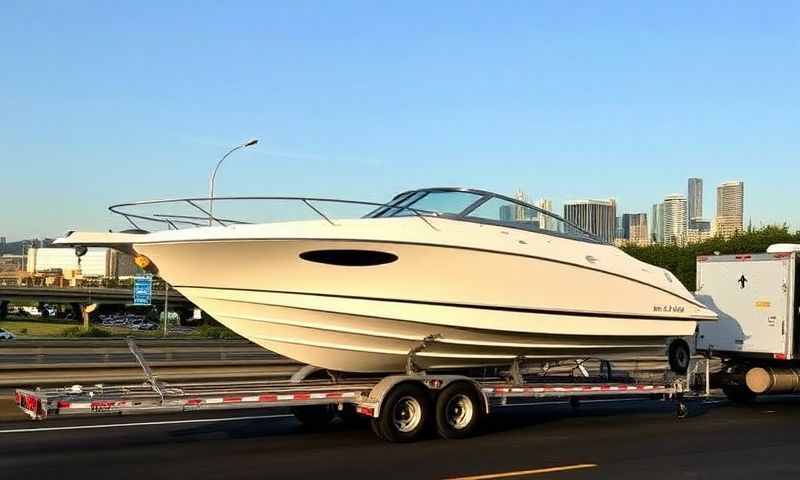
x=681 y=261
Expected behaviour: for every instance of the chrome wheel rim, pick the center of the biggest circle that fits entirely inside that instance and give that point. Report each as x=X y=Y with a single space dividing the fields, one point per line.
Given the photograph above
x=407 y=414
x=459 y=411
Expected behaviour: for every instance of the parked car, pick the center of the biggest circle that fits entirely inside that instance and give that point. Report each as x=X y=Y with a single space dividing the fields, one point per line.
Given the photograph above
x=6 y=335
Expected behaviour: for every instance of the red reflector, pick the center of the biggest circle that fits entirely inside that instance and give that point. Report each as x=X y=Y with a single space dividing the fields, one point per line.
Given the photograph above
x=62 y=404
x=702 y=259
x=267 y=398
x=302 y=396
x=782 y=255
x=231 y=399
x=365 y=411
x=779 y=356
x=743 y=257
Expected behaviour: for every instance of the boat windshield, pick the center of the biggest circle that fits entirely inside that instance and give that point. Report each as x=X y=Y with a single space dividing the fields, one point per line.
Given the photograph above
x=482 y=207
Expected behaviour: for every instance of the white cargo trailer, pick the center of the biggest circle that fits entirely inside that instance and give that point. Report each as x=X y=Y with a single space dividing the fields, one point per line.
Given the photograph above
x=756 y=297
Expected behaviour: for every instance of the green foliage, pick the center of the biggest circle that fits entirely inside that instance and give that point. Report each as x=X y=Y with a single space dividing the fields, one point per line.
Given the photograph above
x=681 y=261
x=91 y=332
x=209 y=331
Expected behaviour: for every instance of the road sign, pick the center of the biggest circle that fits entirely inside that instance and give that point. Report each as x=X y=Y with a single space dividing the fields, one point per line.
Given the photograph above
x=142 y=289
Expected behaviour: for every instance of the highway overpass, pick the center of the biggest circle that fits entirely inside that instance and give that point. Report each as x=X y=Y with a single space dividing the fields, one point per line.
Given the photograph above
x=81 y=296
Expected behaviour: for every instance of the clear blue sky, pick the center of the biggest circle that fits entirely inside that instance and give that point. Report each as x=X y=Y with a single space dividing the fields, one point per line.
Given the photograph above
x=102 y=102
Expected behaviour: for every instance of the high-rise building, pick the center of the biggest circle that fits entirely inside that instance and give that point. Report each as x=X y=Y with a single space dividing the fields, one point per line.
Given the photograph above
x=620 y=233
x=695 y=199
x=730 y=209
x=2 y=245
x=637 y=229
x=598 y=217
x=699 y=230
x=657 y=224
x=545 y=222
x=675 y=226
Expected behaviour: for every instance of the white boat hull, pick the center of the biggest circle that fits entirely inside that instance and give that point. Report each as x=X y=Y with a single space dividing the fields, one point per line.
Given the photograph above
x=488 y=294
x=296 y=327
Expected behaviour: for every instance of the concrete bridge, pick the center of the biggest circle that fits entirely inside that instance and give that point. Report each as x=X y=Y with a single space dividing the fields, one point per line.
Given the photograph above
x=81 y=297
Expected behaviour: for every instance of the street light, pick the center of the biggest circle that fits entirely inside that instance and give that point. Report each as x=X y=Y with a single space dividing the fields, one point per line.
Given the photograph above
x=214 y=175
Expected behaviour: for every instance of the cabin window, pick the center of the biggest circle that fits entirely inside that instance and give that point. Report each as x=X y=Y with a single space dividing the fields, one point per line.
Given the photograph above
x=349 y=258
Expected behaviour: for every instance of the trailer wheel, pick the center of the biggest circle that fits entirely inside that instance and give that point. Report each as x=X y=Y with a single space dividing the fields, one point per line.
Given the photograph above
x=679 y=357
x=405 y=414
x=458 y=411
x=315 y=416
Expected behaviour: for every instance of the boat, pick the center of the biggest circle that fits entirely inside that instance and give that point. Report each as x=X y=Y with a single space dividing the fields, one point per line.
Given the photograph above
x=446 y=277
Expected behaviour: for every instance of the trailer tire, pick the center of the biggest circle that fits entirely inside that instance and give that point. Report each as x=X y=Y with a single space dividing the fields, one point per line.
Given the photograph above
x=315 y=417
x=458 y=411
x=679 y=357
x=405 y=414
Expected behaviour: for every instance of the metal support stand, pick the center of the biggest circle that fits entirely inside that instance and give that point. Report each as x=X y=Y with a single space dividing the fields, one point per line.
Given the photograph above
x=411 y=366
x=515 y=371
x=605 y=369
x=150 y=378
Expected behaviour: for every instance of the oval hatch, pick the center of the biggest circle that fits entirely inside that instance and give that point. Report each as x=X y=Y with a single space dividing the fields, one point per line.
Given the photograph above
x=349 y=258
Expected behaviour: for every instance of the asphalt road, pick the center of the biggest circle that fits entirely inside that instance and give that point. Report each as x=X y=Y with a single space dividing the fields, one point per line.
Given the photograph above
x=630 y=439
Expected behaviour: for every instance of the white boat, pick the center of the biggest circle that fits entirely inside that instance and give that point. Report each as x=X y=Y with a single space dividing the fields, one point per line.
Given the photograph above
x=461 y=277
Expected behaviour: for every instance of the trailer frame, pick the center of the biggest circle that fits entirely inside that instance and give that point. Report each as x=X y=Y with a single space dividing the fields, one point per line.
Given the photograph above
x=327 y=395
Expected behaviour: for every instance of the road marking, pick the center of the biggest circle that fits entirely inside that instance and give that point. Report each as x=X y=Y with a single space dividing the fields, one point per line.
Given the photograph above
x=142 y=424
x=529 y=472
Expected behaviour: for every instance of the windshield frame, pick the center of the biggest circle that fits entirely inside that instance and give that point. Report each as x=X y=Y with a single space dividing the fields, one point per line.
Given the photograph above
x=483 y=197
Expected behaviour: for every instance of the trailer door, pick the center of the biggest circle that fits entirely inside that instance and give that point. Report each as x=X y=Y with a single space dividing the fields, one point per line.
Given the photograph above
x=751 y=296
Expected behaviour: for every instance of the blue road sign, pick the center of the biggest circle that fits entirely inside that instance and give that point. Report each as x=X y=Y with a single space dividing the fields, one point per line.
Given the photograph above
x=142 y=290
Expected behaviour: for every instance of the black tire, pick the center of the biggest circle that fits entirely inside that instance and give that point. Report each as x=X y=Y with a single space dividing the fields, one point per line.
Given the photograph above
x=458 y=411
x=315 y=417
x=679 y=357
x=740 y=395
x=405 y=414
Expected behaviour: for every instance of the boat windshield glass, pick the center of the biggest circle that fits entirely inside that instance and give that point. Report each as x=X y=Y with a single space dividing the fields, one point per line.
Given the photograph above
x=482 y=207
x=448 y=203
x=513 y=214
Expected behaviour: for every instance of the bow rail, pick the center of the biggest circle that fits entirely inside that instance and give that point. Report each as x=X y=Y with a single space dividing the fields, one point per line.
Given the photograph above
x=174 y=221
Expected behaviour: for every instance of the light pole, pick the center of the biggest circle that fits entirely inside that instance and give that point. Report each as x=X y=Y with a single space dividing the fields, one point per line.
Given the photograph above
x=214 y=175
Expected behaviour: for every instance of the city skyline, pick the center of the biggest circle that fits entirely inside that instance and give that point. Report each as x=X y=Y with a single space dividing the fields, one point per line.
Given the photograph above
x=652 y=217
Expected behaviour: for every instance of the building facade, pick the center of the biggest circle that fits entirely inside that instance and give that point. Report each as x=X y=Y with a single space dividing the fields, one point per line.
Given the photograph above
x=98 y=262
x=695 y=198
x=675 y=221
x=657 y=224
x=638 y=233
x=730 y=209
x=598 y=217
x=699 y=230
x=545 y=222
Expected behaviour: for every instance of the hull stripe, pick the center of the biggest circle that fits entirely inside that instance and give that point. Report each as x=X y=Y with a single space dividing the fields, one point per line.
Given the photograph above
x=570 y=313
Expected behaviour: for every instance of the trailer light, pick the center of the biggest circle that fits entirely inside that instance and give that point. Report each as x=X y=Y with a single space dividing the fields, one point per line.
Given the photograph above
x=369 y=412
x=142 y=262
x=779 y=356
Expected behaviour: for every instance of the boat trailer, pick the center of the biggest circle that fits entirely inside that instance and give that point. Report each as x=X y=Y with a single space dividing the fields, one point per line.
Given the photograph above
x=399 y=406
